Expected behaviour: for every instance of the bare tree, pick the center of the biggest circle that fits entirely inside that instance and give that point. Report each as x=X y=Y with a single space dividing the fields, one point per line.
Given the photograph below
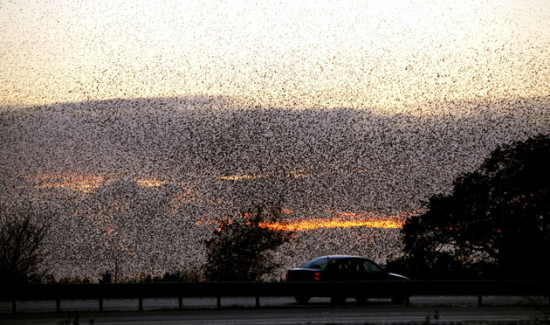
x=21 y=249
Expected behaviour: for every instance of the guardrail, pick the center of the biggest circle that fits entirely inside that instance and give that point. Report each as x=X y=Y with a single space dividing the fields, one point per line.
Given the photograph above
x=479 y=288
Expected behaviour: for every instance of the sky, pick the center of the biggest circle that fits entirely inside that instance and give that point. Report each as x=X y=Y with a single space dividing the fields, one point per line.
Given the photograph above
x=299 y=54
x=130 y=121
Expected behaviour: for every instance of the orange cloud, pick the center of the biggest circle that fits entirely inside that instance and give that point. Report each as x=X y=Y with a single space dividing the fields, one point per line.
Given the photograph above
x=312 y=224
x=240 y=177
x=150 y=182
x=343 y=220
x=76 y=182
x=82 y=182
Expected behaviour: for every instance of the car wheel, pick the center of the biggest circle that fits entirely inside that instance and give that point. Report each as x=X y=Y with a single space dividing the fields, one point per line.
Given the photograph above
x=399 y=300
x=337 y=300
x=302 y=299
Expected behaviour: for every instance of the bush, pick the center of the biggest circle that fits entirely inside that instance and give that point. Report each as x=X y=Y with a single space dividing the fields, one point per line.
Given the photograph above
x=496 y=222
x=241 y=249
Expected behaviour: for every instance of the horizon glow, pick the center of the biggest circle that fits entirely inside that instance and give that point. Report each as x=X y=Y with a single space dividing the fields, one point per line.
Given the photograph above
x=88 y=184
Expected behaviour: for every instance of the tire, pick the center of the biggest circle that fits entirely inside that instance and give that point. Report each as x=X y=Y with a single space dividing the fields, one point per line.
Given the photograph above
x=302 y=299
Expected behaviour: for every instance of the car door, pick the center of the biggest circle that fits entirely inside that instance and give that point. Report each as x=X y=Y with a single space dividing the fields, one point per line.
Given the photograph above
x=370 y=271
x=344 y=270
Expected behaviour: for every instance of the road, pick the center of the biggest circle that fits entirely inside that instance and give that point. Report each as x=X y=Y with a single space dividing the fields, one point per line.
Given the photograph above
x=275 y=311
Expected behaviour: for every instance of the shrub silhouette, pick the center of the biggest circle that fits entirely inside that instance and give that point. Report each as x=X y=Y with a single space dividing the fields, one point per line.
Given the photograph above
x=241 y=249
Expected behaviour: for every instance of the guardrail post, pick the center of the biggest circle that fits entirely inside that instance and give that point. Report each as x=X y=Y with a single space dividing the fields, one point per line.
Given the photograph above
x=14 y=306
x=257 y=301
x=100 y=304
x=180 y=302
x=140 y=304
x=219 y=302
x=479 y=301
x=58 y=305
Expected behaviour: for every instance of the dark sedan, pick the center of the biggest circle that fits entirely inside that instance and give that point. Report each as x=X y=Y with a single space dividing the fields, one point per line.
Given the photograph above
x=343 y=268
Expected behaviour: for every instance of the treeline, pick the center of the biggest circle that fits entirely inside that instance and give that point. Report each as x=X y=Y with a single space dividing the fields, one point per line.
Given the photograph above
x=494 y=224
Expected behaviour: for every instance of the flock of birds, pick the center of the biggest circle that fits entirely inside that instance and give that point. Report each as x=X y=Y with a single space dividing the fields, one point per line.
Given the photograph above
x=136 y=186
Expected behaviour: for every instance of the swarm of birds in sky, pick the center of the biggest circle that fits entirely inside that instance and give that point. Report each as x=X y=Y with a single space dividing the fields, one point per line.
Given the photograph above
x=131 y=128
x=139 y=184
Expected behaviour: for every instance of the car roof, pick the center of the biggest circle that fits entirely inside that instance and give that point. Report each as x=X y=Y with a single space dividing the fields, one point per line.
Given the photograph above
x=337 y=257
x=326 y=258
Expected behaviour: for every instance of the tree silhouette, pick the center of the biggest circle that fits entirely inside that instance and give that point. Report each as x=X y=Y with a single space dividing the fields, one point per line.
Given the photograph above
x=241 y=249
x=21 y=249
x=495 y=223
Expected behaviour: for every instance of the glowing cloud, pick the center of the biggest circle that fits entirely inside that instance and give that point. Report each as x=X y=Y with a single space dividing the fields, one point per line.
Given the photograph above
x=312 y=224
x=240 y=177
x=343 y=220
x=79 y=183
x=150 y=182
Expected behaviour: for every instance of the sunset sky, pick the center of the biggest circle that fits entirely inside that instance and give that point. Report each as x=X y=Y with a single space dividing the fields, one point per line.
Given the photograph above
x=134 y=124
x=374 y=54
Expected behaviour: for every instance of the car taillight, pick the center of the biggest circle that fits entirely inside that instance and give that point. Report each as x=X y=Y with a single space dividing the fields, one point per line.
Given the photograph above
x=286 y=276
x=317 y=276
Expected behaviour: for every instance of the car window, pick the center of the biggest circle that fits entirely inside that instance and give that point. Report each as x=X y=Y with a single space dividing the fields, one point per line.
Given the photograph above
x=344 y=265
x=334 y=265
x=319 y=263
x=350 y=266
x=371 y=267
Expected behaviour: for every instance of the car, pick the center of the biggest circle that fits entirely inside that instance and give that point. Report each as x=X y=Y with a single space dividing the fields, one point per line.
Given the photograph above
x=345 y=268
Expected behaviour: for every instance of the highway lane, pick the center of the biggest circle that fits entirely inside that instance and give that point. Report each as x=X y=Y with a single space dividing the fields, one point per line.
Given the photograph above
x=275 y=311
x=284 y=316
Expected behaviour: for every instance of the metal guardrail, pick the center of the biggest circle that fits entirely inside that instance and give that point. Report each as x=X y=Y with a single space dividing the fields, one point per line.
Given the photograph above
x=479 y=288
